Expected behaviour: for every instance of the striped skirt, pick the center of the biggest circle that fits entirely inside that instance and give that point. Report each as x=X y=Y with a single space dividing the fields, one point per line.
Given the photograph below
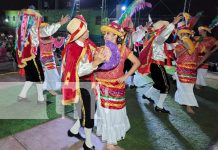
x=111 y=117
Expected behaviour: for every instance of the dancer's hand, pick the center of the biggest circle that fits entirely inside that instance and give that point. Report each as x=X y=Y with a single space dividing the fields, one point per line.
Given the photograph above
x=177 y=19
x=99 y=58
x=93 y=85
x=107 y=53
x=122 y=79
x=64 y=19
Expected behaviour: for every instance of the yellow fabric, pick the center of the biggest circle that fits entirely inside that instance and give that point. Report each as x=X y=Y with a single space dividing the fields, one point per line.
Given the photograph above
x=44 y=24
x=191 y=47
x=110 y=29
x=184 y=31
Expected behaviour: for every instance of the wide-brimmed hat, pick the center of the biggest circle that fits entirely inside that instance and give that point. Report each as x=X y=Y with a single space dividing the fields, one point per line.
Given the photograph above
x=76 y=27
x=114 y=28
x=31 y=12
x=205 y=28
x=160 y=24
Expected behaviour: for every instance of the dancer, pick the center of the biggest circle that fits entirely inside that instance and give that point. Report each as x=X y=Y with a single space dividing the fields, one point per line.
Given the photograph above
x=52 y=78
x=186 y=72
x=27 y=42
x=112 y=122
x=78 y=66
x=204 y=45
x=153 y=57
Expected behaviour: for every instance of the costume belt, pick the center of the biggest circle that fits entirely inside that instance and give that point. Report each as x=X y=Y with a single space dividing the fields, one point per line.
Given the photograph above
x=158 y=62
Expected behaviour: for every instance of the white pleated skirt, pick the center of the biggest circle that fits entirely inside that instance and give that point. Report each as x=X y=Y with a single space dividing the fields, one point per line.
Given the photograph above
x=201 y=77
x=111 y=124
x=52 y=79
x=184 y=94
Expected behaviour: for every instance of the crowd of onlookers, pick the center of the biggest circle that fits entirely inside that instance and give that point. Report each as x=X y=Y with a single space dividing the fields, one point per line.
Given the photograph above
x=7 y=51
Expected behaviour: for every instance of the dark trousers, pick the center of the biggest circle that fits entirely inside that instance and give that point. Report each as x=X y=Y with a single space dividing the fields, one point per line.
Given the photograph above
x=34 y=71
x=86 y=105
x=159 y=76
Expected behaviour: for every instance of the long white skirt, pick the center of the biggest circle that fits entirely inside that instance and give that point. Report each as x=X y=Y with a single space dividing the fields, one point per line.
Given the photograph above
x=184 y=94
x=52 y=79
x=201 y=76
x=112 y=125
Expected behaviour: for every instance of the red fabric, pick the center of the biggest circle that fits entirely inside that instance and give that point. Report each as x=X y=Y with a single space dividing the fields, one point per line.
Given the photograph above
x=21 y=72
x=27 y=52
x=73 y=52
x=204 y=47
x=145 y=57
x=169 y=55
x=186 y=65
x=88 y=44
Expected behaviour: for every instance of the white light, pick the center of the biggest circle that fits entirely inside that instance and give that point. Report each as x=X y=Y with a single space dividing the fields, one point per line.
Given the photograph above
x=6 y=20
x=123 y=8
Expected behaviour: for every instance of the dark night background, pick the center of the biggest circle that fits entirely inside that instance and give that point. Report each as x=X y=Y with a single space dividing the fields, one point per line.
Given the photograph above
x=162 y=9
x=159 y=6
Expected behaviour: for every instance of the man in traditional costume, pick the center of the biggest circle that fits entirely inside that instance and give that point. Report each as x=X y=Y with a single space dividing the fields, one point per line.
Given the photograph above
x=153 y=58
x=78 y=66
x=27 y=42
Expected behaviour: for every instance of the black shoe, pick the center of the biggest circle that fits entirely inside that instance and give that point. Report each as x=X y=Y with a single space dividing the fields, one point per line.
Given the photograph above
x=163 y=110
x=132 y=86
x=149 y=99
x=78 y=136
x=85 y=147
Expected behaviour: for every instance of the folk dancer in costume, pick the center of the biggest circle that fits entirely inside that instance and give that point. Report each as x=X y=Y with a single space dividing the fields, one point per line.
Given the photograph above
x=52 y=77
x=112 y=122
x=186 y=72
x=153 y=57
x=78 y=66
x=27 y=42
x=204 y=45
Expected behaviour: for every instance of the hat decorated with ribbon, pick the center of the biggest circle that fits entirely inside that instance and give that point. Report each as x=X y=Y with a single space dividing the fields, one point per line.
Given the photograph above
x=204 y=28
x=114 y=28
x=76 y=27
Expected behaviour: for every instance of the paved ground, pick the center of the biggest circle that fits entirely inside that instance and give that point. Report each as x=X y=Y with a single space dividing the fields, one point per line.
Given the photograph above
x=48 y=136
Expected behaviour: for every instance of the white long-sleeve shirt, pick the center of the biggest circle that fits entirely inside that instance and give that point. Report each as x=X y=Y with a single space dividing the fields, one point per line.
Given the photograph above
x=158 y=43
x=43 y=32
x=85 y=67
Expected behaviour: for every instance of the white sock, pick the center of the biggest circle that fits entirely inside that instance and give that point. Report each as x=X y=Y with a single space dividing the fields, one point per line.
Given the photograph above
x=150 y=91
x=161 y=100
x=40 y=92
x=88 y=133
x=25 y=89
x=75 y=128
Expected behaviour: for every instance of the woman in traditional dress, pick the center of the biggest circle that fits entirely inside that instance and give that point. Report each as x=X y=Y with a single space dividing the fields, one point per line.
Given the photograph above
x=112 y=122
x=52 y=77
